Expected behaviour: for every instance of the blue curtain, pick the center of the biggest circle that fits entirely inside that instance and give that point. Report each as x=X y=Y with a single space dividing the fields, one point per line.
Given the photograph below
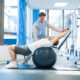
x=35 y=15
x=21 y=36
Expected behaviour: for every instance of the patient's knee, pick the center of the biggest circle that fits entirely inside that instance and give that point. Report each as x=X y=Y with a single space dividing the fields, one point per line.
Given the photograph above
x=11 y=47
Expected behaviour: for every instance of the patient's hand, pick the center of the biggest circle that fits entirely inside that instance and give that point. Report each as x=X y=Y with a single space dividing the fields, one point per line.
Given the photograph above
x=66 y=29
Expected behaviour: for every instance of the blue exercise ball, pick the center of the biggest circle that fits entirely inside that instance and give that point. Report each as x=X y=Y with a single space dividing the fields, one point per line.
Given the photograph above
x=44 y=57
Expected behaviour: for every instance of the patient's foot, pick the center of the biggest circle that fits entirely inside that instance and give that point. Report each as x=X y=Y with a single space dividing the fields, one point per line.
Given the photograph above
x=12 y=64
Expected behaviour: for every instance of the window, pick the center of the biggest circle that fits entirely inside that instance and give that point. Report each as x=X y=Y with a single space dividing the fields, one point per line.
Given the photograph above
x=10 y=19
x=55 y=19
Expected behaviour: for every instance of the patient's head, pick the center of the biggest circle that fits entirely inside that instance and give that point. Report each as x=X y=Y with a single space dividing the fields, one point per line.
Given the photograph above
x=51 y=39
x=56 y=43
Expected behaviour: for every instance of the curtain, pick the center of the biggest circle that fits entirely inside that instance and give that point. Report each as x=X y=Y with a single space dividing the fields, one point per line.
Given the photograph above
x=21 y=35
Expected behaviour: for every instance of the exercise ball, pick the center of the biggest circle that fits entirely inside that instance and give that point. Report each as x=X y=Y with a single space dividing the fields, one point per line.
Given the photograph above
x=44 y=57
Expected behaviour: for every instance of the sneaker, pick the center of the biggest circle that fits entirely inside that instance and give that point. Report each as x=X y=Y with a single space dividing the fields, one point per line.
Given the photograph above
x=12 y=65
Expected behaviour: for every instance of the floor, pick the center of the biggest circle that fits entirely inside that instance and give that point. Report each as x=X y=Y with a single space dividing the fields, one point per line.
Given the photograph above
x=63 y=74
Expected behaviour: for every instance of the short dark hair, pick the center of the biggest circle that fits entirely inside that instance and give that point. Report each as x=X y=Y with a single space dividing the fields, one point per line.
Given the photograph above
x=56 y=43
x=42 y=14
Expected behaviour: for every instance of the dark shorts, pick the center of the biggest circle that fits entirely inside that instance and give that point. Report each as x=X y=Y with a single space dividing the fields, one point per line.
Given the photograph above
x=22 y=50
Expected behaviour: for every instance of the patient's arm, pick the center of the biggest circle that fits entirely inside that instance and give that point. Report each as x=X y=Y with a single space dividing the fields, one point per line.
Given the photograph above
x=60 y=36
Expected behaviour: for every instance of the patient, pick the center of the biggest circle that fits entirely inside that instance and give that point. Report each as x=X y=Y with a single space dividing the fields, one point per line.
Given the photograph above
x=44 y=42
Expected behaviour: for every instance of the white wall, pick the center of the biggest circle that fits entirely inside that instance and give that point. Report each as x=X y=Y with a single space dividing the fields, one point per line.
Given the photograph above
x=4 y=54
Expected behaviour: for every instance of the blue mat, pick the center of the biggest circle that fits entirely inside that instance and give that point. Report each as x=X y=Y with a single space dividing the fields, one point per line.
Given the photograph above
x=26 y=66
x=33 y=67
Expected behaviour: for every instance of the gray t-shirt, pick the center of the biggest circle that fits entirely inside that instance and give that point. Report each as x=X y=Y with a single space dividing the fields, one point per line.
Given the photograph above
x=41 y=28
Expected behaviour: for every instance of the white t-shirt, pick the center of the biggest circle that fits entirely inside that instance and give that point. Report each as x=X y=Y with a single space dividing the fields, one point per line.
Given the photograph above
x=40 y=43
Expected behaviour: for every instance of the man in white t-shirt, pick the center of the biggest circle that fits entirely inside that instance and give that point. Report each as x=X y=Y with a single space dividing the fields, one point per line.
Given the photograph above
x=44 y=42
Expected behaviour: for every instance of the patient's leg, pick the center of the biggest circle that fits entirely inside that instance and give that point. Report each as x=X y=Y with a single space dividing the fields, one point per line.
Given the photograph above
x=11 y=49
x=13 y=63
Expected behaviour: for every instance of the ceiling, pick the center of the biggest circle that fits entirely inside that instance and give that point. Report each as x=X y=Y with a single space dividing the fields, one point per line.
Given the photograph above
x=49 y=4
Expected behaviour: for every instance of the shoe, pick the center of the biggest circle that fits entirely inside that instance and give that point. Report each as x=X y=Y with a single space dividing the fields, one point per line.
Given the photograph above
x=11 y=65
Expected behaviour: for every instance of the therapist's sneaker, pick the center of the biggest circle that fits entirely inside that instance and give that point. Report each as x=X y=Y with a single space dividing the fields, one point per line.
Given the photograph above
x=12 y=64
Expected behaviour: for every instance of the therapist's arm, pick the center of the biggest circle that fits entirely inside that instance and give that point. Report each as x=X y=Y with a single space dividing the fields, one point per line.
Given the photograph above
x=35 y=33
x=55 y=29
